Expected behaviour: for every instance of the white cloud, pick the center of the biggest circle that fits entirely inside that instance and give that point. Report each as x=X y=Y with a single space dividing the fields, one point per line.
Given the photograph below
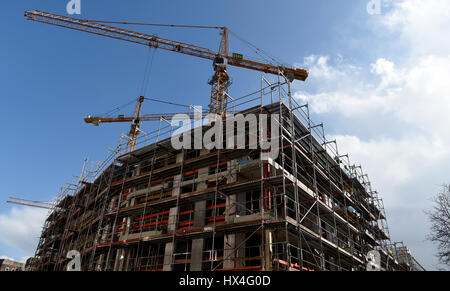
x=407 y=99
x=6 y=258
x=418 y=93
x=319 y=66
x=393 y=162
x=424 y=25
x=390 y=77
x=21 y=228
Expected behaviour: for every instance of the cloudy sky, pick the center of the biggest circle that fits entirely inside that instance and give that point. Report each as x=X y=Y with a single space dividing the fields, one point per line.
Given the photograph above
x=393 y=113
x=380 y=82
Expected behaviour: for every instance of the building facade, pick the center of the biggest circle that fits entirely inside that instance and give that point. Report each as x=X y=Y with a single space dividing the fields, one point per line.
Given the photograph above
x=158 y=208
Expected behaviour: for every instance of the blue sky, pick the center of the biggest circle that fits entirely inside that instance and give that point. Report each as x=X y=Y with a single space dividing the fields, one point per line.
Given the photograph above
x=363 y=69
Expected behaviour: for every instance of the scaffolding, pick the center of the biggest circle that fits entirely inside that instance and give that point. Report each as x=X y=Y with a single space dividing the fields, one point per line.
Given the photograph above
x=403 y=256
x=157 y=208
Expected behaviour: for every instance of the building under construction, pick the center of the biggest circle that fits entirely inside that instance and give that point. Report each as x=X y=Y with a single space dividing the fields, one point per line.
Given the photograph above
x=153 y=207
x=157 y=208
x=406 y=261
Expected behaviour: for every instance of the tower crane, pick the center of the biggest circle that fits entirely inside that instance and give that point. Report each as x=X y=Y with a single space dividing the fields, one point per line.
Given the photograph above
x=219 y=82
x=135 y=124
x=135 y=120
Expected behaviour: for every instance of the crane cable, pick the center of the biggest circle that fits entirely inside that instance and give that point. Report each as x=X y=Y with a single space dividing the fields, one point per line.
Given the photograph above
x=148 y=71
x=111 y=112
x=155 y=24
x=265 y=55
x=146 y=80
x=167 y=102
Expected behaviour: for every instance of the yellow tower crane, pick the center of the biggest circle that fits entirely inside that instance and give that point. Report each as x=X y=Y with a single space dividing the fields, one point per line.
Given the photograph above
x=219 y=82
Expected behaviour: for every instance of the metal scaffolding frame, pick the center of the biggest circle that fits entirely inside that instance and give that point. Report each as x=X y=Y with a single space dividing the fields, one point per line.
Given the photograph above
x=158 y=208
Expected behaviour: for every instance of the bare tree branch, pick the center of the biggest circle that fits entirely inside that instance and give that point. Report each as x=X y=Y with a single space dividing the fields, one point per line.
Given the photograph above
x=439 y=217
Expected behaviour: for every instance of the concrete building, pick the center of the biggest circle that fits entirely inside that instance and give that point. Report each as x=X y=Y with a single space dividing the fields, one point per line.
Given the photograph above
x=406 y=261
x=9 y=265
x=158 y=208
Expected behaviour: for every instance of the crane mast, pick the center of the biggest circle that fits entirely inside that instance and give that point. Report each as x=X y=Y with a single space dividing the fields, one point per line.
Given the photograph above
x=219 y=82
x=137 y=119
x=135 y=124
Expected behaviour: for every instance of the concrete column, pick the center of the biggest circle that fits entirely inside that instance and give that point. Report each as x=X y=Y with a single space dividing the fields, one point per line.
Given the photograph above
x=236 y=202
x=124 y=259
x=168 y=253
x=232 y=171
x=268 y=249
x=138 y=169
x=199 y=222
x=228 y=254
x=198 y=244
x=231 y=199
x=199 y=214
x=197 y=254
x=117 y=260
x=172 y=219
x=173 y=213
x=230 y=212
x=234 y=248
x=202 y=177
x=229 y=240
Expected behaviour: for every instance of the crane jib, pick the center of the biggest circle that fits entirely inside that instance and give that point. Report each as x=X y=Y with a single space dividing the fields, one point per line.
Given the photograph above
x=158 y=42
